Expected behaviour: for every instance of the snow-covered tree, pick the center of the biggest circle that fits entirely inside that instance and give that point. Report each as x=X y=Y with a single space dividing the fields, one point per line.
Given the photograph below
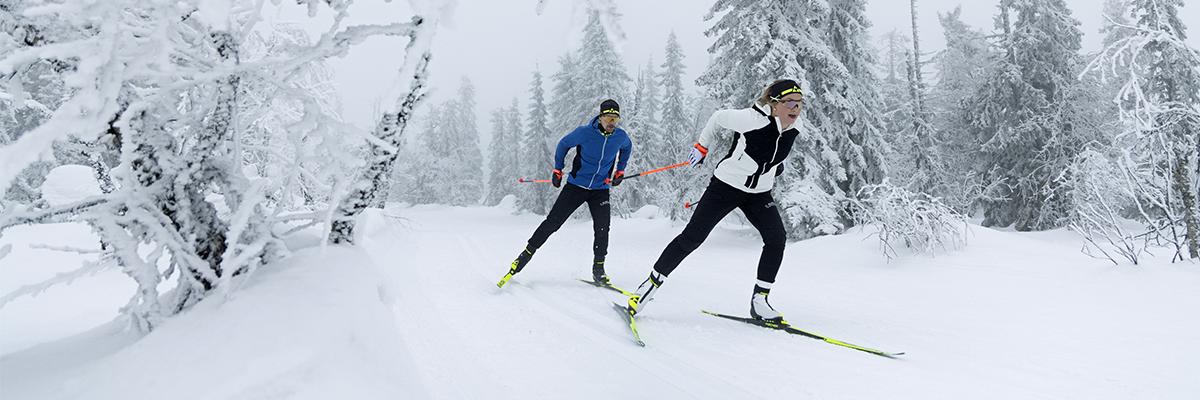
x=927 y=160
x=563 y=97
x=300 y=161
x=598 y=75
x=463 y=146
x=640 y=120
x=675 y=136
x=500 y=166
x=856 y=128
x=534 y=156
x=748 y=56
x=452 y=170
x=897 y=104
x=1159 y=104
x=418 y=175
x=160 y=86
x=1027 y=115
x=961 y=67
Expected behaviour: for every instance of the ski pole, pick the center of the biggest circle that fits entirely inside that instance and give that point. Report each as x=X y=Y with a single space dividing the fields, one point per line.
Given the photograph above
x=644 y=173
x=523 y=180
x=688 y=204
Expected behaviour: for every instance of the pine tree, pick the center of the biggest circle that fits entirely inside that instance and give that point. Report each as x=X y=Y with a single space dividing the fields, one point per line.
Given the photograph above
x=927 y=161
x=466 y=186
x=961 y=67
x=897 y=105
x=676 y=135
x=499 y=183
x=535 y=159
x=1117 y=25
x=516 y=127
x=564 y=96
x=640 y=121
x=1027 y=117
x=748 y=56
x=599 y=74
x=857 y=128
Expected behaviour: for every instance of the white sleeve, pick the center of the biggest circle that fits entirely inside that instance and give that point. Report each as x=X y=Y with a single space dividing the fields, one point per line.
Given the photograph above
x=743 y=120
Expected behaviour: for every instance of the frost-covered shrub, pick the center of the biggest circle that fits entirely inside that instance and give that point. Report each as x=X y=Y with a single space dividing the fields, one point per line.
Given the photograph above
x=916 y=220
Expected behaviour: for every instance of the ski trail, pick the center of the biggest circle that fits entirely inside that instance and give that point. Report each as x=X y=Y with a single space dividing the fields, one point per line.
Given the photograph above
x=602 y=328
x=531 y=339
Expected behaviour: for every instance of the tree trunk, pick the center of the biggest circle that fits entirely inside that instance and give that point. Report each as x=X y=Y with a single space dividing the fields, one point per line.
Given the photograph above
x=1179 y=174
x=380 y=161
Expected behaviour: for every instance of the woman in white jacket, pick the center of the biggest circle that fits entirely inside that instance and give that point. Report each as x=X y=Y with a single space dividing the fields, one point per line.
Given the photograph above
x=763 y=136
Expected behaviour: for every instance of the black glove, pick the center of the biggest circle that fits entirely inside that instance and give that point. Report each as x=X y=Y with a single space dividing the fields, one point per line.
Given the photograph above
x=618 y=178
x=556 y=180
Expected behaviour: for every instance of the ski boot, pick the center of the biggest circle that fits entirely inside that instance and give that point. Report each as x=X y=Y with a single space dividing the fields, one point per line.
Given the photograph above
x=598 y=274
x=761 y=309
x=516 y=266
x=645 y=292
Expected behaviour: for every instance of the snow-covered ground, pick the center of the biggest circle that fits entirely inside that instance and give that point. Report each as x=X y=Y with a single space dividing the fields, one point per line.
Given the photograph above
x=414 y=313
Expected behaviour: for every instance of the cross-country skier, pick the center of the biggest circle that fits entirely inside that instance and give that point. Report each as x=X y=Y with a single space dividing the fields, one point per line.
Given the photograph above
x=601 y=153
x=743 y=179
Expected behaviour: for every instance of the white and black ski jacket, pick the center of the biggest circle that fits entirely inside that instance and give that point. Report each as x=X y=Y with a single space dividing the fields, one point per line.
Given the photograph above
x=760 y=146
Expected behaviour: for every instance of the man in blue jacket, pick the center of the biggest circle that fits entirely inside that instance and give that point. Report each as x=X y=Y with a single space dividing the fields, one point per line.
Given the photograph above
x=601 y=153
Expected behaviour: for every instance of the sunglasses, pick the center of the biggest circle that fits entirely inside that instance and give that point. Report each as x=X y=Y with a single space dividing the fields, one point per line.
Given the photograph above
x=793 y=104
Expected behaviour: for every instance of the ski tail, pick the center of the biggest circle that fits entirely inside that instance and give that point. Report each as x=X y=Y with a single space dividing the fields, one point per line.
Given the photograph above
x=504 y=280
x=608 y=286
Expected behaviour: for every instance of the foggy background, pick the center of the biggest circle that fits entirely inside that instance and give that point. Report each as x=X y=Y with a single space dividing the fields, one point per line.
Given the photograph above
x=498 y=44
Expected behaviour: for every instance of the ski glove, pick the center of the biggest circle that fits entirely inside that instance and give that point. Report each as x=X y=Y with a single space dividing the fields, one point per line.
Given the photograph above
x=617 y=178
x=556 y=180
x=698 y=154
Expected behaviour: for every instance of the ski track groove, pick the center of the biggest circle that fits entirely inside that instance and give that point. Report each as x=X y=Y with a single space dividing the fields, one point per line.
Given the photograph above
x=619 y=344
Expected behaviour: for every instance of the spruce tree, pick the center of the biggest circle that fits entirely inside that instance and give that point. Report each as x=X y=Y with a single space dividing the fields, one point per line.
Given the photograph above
x=534 y=157
x=500 y=178
x=677 y=134
x=1027 y=116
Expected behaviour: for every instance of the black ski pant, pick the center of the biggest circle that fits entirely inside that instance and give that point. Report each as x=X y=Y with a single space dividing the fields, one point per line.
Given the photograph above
x=568 y=201
x=719 y=200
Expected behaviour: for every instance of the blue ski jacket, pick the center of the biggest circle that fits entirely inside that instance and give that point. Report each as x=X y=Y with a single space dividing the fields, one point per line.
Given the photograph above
x=597 y=155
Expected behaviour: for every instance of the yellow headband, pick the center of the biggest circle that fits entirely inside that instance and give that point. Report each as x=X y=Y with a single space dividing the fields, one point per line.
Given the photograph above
x=610 y=111
x=794 y=89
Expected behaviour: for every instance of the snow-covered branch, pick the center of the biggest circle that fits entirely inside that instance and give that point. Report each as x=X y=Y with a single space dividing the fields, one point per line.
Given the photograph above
x=88 y=269
x=15 y=217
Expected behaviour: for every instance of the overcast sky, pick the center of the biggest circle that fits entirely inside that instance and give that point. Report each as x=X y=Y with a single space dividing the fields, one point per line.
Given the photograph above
x=497 y=44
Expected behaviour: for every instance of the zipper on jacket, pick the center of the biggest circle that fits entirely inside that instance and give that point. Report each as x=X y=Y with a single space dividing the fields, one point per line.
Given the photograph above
x=601 y=161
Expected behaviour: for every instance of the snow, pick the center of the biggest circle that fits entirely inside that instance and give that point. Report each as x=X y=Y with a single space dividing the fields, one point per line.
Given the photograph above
x=70 y=183
x=413 y=312
x=647 y=212
x=215 y=13
x=319 y=325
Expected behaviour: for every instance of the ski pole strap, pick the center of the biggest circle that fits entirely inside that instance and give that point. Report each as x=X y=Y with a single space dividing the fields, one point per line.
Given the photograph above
x=523 y=180
x=656 y=170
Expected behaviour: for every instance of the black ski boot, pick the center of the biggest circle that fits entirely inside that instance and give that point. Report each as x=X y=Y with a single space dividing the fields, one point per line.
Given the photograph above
x=517 y=265
x=598 y=274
